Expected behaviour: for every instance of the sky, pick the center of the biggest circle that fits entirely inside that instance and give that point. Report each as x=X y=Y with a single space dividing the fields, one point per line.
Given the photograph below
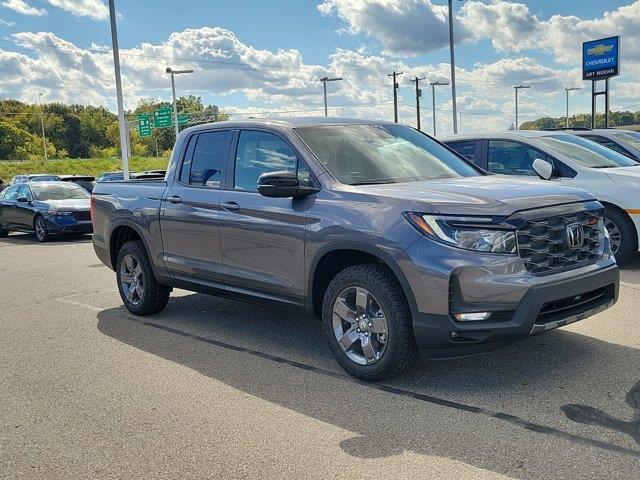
x=256 y=57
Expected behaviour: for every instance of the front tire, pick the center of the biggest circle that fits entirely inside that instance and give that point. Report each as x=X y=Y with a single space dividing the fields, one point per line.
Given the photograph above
x=624 y=242
x=140 y=291
x=367 y=322
x=40 y=229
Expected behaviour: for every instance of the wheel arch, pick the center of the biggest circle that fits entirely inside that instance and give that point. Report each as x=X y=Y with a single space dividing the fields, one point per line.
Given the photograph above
x=623 y=212
x=334 y=258
x=122 y=233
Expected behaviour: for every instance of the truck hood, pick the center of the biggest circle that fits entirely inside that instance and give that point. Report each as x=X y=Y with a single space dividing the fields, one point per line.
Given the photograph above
x=624 y=174
x=493 y=195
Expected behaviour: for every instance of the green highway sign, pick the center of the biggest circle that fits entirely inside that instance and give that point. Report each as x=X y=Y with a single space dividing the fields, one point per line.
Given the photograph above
x=163 y=117
x=144 y=124
x=183 y=119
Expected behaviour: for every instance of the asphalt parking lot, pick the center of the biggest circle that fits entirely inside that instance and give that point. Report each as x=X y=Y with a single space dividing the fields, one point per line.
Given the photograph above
x=215 y=388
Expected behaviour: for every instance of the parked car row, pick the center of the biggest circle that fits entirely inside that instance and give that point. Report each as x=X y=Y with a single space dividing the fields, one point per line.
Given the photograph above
x=45 y=208
x=49 y=205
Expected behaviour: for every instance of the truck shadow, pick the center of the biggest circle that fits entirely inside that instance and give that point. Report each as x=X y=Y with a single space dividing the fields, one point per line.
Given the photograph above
x=434 y=410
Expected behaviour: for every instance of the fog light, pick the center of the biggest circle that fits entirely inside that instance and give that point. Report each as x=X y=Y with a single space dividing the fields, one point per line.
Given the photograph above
x=472 y=317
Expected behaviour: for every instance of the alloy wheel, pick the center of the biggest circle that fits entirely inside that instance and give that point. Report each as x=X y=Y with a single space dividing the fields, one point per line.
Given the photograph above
x=614 y=235
x=360 y=325
x=41 y=229
x=132 y=279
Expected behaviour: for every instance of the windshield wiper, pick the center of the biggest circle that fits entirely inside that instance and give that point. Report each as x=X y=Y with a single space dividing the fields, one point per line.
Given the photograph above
x=373 y=182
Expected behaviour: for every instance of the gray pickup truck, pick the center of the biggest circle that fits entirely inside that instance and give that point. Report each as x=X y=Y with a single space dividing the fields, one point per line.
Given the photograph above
x=394 y=241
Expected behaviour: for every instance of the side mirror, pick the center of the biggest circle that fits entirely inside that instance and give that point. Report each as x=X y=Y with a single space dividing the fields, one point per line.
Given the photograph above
x=282 y=185
x=543 y=168
x=22 y=200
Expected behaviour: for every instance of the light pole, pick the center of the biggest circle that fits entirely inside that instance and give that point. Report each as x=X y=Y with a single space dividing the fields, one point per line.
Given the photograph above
x=516 y=88
x=324 y=85
x=173 y=90
x=568 y=89
x=433 y=98
x=44 y=138
x=116 y=66
x=453 y=70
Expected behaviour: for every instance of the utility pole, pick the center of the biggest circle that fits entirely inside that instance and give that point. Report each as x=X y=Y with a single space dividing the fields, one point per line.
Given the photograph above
x=568 y=90
x=433 y=98
x=44 y=138
x=116 y=66
x=516 y=88
x=418 y=96
x=324 y=85
x=453 y=70
x=395 y=94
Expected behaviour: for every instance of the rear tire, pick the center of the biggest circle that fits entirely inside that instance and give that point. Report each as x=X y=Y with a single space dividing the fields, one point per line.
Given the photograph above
x=394 y=351
x=40 y=229
x=140 y=291
x=3 y=232
x=623 y=233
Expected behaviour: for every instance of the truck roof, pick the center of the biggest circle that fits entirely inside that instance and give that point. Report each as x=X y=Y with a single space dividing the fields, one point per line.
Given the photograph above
x=289 y=122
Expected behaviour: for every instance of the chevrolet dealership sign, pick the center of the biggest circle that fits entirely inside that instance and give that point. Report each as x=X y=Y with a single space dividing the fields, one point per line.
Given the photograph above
x=600 y=58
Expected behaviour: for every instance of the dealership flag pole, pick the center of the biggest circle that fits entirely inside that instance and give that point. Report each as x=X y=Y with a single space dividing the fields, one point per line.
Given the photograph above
x=116 y=63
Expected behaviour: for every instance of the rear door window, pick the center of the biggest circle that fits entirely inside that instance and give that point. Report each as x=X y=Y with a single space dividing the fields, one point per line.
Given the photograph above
x=10 y=193
x=210 y=157
x=512 y=158
x=466 y=148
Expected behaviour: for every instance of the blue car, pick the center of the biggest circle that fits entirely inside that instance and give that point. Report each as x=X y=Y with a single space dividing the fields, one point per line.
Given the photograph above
x=45 y=208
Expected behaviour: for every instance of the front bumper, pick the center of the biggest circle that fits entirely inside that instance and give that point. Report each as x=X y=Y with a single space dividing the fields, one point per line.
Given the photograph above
x=60 y=225
x=542 y=308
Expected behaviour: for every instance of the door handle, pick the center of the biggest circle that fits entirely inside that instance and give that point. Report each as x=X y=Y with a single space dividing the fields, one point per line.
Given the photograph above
x=231 y=206
x=175 y=199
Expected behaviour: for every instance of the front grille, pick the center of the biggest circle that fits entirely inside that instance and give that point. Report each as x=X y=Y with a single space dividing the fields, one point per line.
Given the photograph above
x=82 y=216
x=543 y=244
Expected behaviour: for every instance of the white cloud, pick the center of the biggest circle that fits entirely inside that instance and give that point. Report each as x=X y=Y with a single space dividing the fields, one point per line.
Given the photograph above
x=6 y=23
x=20 y=6
x=416 y=27
x=403 y=27
x=94 y=9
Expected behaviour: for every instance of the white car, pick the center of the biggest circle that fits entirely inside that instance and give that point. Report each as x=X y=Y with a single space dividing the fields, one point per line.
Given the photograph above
x=626 y=142
x=612 y=177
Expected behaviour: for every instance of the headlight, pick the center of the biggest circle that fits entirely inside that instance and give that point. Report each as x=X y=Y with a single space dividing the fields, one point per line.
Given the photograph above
x=450 y=231
x=58 y=213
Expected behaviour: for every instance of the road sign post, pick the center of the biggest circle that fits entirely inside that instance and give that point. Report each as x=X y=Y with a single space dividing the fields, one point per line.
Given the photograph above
x=144 y=125
x=600 y=61
x=162 y=117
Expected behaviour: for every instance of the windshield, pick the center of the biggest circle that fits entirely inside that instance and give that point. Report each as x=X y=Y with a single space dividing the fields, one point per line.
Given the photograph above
x=58 y=192
x=631 y=138
x=586 y=152
x=372 y=154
